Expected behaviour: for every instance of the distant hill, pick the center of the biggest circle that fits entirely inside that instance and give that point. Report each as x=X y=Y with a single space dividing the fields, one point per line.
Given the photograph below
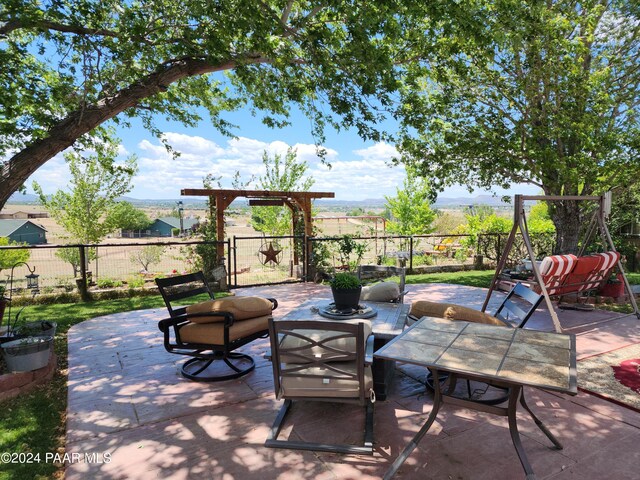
x=200 y=203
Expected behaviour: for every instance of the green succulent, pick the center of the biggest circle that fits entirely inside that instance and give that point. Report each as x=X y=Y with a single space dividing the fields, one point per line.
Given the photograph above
x=345 y=281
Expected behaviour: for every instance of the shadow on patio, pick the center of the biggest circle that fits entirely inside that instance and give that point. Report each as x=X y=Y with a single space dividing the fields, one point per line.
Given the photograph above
x=128 y=400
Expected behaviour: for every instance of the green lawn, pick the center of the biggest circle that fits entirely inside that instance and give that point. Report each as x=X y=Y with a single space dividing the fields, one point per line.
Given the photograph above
x=36 y=422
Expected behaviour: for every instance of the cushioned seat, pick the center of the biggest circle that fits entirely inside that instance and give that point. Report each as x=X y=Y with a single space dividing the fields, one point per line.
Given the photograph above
x=423 y=308
x=211 y=330
x=322 y=360
x=213 y=333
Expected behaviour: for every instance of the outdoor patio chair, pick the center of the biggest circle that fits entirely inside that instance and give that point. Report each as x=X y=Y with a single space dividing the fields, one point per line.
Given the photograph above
x=382 y=291
x=322 y=360
x=208 y=329
x=514 y=311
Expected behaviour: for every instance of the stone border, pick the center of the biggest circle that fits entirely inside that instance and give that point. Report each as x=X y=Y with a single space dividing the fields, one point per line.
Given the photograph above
x=14 y=384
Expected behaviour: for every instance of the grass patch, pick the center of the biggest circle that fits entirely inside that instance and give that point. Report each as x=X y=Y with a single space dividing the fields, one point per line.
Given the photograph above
x=472 y=278
x=35 y=422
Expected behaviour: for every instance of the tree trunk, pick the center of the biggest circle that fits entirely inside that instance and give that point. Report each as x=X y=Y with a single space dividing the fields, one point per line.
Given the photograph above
x=15 y=172
x=567 y=218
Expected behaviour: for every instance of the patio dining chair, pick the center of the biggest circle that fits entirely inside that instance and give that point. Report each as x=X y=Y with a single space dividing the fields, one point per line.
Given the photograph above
x=209 y=329
x=322 y=360
x=514 y=312
x=376 y=291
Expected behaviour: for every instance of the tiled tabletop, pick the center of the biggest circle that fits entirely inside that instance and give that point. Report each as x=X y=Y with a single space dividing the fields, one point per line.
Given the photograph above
x=523 y=357
x=388 y=322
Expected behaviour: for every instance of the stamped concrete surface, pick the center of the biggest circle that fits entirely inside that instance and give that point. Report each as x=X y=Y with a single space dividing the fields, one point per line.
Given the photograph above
x=130 y=408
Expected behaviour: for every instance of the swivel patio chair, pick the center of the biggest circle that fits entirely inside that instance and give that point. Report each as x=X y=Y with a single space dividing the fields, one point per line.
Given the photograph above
x=322 y=360
x=385 y=291
x=208 y=329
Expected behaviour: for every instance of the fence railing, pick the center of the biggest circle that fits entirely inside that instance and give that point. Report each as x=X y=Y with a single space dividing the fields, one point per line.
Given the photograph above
x=248 y=261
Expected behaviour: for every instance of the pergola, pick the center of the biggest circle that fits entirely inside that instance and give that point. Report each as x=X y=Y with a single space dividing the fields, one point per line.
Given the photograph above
x=221 y=199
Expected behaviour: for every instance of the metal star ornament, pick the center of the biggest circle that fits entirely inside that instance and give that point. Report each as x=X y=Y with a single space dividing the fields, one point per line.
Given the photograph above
x=270 y=255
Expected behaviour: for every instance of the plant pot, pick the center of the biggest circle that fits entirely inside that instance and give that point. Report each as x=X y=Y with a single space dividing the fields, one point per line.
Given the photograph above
x=346 y=300
x=42 y=328
x=27 y=354
x=613 y=289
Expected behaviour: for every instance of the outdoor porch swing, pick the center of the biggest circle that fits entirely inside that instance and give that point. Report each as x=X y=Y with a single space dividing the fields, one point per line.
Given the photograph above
x=566 y=274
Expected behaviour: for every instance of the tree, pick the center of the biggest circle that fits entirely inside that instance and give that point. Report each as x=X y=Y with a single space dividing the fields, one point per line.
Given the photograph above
x=127 y=217
x=88 y=212
x=148 y=255
x=9 y=257
x=411 y=212
x=550 y=98
x=71 y=65
x=282 y=174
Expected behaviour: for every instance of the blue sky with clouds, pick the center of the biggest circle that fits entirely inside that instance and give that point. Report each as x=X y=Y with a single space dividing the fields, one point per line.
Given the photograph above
x=359 y=170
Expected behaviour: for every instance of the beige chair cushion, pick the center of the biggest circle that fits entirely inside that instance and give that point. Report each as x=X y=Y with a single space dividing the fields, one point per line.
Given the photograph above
x=241 y=308
x=450 y=311
x=348 y=343
x=380 y=292
x=325 y=387
x=213 y=333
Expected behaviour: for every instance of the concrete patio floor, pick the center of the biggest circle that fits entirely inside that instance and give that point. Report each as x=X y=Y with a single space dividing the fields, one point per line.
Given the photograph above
x=128 y=400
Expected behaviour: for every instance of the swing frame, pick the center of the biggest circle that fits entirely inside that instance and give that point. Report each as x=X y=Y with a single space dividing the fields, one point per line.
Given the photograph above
x=598 y=221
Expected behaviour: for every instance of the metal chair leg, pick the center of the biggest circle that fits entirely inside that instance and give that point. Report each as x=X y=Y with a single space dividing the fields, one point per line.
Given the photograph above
x=541 y=425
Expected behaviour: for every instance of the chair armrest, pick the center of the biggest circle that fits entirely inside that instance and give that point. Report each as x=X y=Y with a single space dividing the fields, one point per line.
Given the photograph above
x=368 y=352
x=274 y=303
x=165 y=324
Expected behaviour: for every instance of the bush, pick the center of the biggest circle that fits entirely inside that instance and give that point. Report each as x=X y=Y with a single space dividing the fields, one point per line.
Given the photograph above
x=345 y=281
x=135 y=282
x=461 y=255
x=422 y=260
x=108 y=283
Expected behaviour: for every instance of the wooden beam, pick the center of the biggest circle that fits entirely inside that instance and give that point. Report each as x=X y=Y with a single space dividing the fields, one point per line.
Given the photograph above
x=206 y=192
x=262 y=202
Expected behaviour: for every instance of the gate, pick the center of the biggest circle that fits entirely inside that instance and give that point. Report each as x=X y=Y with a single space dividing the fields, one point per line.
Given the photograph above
x=266 y=260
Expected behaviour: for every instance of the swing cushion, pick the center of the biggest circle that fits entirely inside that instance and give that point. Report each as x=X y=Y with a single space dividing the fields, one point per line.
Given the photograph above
x=555 y=269
x=590 y=271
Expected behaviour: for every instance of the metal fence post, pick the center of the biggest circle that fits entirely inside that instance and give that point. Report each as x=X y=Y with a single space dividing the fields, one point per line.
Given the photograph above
x=82 y=281
x=411 y=254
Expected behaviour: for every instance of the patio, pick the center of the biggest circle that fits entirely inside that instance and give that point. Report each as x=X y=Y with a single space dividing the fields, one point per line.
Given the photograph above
x=127 y=399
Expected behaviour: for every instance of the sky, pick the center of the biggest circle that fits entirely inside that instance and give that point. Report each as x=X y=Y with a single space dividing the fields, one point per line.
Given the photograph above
x=359 y=170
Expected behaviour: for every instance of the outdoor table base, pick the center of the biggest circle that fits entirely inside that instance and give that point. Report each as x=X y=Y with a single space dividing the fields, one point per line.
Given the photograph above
x=512 y=358
x=516 y=395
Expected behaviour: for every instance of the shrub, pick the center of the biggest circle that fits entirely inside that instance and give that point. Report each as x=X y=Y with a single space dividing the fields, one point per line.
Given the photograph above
x=108 y=283
x=423 y=260
x=135 y=282
x=345 y=281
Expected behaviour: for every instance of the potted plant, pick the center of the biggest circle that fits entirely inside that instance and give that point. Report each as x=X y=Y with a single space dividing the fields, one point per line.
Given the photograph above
x=41 y=328
x=346 y=288
x=27 y=354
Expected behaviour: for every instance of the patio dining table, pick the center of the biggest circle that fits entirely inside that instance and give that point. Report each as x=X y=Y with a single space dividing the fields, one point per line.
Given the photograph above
x=512 y=358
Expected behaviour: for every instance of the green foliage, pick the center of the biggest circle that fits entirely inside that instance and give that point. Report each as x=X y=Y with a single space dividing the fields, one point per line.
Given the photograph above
x=350 y=251
x=69 y=66
x=175 y=232
x=421 y=260
x=108 y=283
x=87 y=210
x=461 y=255
x=71 y=255
x=127 y=217
x=9 y=257
x=135 y=282
x=282 y=174
x=345 y=281
x=549 y=96
x=147 y=255
x=411 y=212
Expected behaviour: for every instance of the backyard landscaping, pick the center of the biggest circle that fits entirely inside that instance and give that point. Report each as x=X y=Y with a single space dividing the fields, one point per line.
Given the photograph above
x=36 y=422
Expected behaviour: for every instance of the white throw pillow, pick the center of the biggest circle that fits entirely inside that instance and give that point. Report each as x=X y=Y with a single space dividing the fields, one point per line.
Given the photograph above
x=380 y=292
